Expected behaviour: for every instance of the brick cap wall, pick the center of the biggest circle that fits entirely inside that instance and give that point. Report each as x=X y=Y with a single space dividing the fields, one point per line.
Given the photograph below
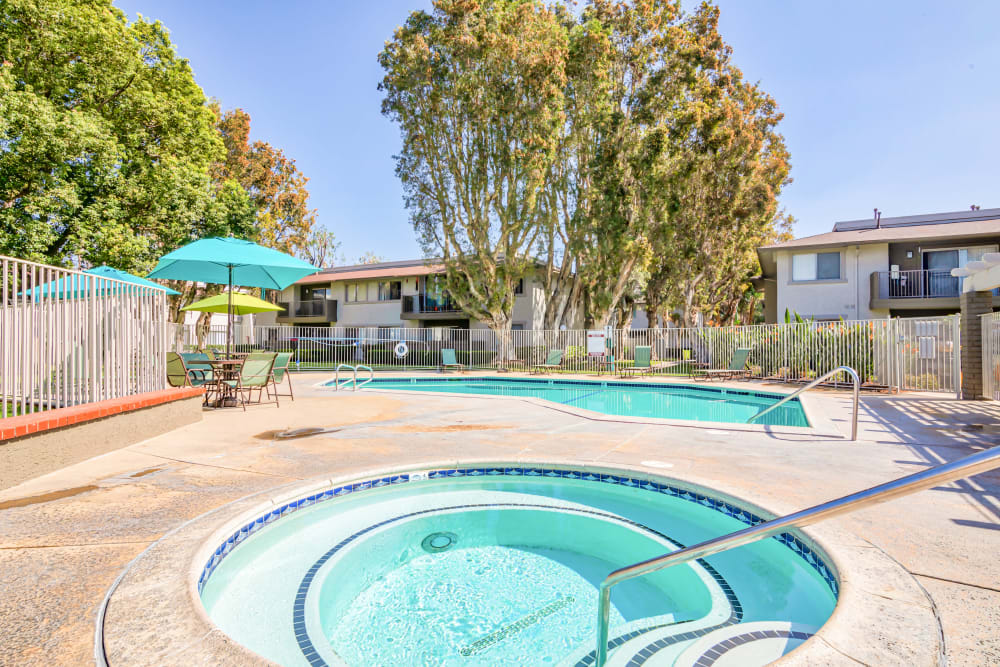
x=46 y=420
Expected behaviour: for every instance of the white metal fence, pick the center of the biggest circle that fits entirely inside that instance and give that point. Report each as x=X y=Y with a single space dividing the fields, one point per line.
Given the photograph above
x=914 y=354
x=991 y=355
x=68 y=337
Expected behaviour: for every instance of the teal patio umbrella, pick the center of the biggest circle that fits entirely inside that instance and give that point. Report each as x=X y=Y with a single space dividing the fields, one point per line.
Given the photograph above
x=76 y=286
x=229 y=261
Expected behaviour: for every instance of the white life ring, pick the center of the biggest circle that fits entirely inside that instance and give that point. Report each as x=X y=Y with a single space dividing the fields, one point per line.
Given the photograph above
x=401 y=350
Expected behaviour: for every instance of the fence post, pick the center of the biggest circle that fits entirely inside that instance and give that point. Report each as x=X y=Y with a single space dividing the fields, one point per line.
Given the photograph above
x=956 y=350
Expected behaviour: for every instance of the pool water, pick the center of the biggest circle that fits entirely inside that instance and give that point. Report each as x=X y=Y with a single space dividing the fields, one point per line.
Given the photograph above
x=477 y=567
x=667 y=401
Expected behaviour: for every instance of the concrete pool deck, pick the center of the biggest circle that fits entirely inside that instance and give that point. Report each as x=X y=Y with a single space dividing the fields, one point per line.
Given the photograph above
x=65 y=537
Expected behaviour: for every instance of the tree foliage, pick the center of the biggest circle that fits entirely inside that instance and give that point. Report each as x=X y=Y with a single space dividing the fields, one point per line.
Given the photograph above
x=477 y=91
x=110 y=152
x=105 y=141
x=731 y=167
x=618 y=145
x=272 y=180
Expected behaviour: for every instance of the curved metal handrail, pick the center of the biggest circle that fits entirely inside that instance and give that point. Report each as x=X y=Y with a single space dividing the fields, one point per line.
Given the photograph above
x=336 y=376
x=903 y=486
x=857 y=391
x=371 y=375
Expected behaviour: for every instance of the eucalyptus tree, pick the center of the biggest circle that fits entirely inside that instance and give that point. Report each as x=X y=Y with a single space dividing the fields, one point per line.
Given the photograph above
x=730 y=168
x=477 y=92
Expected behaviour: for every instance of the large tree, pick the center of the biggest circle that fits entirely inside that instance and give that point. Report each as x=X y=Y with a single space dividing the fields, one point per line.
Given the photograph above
x=105 y=138
x=272 y=179
x=727 y=173
x=477 y=91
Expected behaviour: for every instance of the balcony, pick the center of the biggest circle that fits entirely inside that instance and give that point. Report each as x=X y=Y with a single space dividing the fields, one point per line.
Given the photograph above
x=422 y=306
x=313 y=311
x=916 y=290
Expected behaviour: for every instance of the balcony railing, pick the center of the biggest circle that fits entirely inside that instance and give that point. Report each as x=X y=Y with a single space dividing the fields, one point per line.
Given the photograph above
x=917 y=284
x=324 y=308
x=422 y=303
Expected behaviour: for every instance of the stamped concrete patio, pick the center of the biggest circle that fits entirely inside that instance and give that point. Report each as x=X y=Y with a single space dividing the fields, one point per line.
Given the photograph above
x=66 y=537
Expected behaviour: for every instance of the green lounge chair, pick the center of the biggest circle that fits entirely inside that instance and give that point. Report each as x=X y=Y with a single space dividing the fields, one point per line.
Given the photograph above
x=179 y=375
x=643 y=362
x=279 y=372
x=737 y=368
x=255 y=373
x=553 y=361
x=448 y=361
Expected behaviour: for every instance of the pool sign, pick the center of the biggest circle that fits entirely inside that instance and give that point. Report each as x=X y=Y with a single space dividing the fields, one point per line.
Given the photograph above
x=597 y=343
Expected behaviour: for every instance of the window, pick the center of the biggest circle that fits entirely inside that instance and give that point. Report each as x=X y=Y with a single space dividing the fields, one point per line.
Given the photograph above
x=389 y=290
x=816 y=266
x=519 y=287
x=517 y=326
x=354 y=292
x=310 y=293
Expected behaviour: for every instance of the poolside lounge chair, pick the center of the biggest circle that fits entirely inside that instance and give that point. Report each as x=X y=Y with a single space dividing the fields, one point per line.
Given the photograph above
x=255 y=373
x=553 y=361
x=449 y=362
x=737 y=368
x=643 y=363
x=279 y=372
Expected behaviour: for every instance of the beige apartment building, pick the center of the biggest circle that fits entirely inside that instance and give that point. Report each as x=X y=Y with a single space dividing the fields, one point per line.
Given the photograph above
x=404 y=294
x=870 y=269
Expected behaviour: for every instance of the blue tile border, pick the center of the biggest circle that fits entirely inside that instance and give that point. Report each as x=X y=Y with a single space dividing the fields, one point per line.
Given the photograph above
x=315 y=660
x=603 y=384
x=709 y=657
x=799 y=547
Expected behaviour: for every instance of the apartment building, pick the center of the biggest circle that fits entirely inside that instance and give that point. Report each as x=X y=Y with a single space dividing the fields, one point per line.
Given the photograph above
x=408 y=294
x=865 y=269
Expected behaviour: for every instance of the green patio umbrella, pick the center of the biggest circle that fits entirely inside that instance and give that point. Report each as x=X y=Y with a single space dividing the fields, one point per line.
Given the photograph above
x=240 y=303
x=229 y=261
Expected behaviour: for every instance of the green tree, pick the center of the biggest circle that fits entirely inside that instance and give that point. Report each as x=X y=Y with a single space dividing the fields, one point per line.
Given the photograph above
x=320 y=248
x=728 y=171
x=273 y=181
x=477 y=91
x=370 y=258
x=106 y=138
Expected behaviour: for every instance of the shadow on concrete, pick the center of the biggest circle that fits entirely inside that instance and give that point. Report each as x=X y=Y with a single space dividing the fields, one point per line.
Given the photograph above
x=937 y=430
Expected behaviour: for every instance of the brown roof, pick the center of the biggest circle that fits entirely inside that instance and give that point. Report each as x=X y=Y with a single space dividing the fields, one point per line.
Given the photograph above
x=892 y=230
x=890 y=234
x=404 y=269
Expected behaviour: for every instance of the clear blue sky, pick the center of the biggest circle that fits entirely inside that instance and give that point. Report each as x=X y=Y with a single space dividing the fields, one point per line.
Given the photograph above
x=887 y=104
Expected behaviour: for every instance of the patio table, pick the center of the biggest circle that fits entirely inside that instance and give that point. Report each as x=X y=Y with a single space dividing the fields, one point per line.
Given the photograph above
x=223 y=370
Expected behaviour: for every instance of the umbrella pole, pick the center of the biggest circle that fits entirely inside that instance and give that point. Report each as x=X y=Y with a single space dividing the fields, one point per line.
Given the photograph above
x=229 y=313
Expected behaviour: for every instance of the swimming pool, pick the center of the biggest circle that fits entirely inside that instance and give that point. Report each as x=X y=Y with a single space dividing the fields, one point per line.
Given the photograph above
x=631 y=399
x=499 y=565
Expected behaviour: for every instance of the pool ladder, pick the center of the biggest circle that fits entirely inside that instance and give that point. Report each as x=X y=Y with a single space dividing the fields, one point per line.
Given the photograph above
x=857 y=391
x=353 y=380
x=904 y=486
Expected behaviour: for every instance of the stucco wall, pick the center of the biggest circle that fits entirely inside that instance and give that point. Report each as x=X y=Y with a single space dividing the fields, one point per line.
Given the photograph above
x=848 y=297
x=27 y=457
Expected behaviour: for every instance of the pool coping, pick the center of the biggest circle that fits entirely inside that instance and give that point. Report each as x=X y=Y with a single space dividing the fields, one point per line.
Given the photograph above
x=820 y=424
x=150 y=615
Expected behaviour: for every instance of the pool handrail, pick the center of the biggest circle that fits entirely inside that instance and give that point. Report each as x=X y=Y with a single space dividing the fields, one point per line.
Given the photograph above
x=857 y=391
x=371 y=375
x=336 y=376
x=902 y=486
